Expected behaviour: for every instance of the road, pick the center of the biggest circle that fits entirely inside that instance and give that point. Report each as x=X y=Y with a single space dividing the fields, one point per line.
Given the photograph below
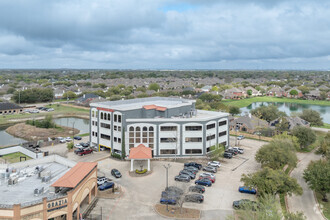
x=305 y=203
x=320 y=129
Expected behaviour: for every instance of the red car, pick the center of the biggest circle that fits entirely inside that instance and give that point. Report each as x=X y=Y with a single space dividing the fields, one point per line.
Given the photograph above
x=207 y=177
x=85 y=151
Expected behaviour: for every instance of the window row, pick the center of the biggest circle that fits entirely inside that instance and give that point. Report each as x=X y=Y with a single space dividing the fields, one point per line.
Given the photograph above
x=118 y=140
x=168 y=128
x=94 y=134
x=193 y=151
x=139 y=129
x=104 y=125
x=221 y=123
x=94 y=123
x=222 y=133
x=104 y=136
x=147 y=145
x=105 y=116
x=117 y=118
x=210 y=137
x=193 y=139
x=194 y=128
x=141 y=140
x=168 y=140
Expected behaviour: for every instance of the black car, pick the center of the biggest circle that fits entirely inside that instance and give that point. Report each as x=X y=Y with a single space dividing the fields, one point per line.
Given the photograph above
x=192 y=169
x=182 y=178
x=197 y=188
x=194 y=198
x=232 y=151
x=77 y=151
x=170 y=194
x=115 y=173
x=193 y=164
x=84 y=144
x=228 y=155
x=77 y=138
x=174 y=189
x=187 y=172
x=245 y=203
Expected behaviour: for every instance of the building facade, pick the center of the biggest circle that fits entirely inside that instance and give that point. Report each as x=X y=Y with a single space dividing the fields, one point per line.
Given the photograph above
x=169 y=126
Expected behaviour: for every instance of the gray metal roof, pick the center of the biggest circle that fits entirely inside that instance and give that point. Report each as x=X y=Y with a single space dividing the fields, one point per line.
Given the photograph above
x=8 y=106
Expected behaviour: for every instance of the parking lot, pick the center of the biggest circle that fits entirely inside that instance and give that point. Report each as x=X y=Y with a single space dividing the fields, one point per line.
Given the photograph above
x=142 y=193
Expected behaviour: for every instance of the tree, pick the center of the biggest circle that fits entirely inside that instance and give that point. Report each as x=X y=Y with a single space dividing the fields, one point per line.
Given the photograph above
x=216 y=152
x=69 y=146
x=324 y=147
x=34 y=95
x=115 y=97
x=268 y=113
x=312 y=116
x=154 y=86
x=70 y=95
x=286 y=136
x=276 y=154
x=293 y=92
x=306 y=136
x=234 y=110
x=323 y=95
x=269 y=181
x=317 y=176
x=249 y=92
x=208 y=97
x=304 y=89
x=283 y=125
x=11 y=90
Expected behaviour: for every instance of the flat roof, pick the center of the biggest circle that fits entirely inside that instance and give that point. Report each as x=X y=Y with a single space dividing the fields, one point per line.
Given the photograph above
x=75 y=175
x=28 y=181
x=130 y=104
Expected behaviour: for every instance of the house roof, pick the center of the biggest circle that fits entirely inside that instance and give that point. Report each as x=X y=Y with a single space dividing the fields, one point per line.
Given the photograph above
x=75 y=175
x=293 y=121
x=251 y=122
x=140 y=152
x=8 y=106
x=158 y=108
x=86 y=97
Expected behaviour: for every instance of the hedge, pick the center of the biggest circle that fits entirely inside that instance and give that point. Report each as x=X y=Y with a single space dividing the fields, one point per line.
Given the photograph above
x=141 y=171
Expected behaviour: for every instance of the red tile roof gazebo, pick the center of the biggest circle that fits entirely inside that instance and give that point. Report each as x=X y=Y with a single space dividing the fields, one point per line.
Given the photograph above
x=140 y=152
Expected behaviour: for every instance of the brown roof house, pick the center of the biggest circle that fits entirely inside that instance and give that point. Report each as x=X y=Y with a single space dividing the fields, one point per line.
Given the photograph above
x=293 y=122
x=276 y=91
x=7 y=108
x=248 y=123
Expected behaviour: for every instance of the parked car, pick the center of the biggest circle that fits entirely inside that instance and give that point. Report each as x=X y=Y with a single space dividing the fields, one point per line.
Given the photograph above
x=207 y=174
x=34 y=111
x=239 y=150
x=168 y=201
x=115 y=173
x=170 y=194
x=207 y=177
x=197 y=188
x=68 y=139
x=245 y=202
x=50 y=110
x=187 y=172
x=227 y=155
x=182 y=178
x=78 y=150
x=240 y=137
x=194 y=198
x=85 y=151
x=210 y=169
x=106 y=185
x=175 y=189
x=77 y=138
x=203 y=182
x=214 y=164
x=232 y=151
x=244 y=189
x=191 y=168
x=101 y=180
x=193 y=164
x=78 y=146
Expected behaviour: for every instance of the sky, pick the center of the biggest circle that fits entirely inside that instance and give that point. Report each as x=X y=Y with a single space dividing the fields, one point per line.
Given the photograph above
x=165 y=34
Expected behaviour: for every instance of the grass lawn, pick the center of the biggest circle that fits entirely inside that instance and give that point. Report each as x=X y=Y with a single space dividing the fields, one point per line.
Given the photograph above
x=246 y=102
x=325 y=205
x=58 y=109
x=14 y=157
x=83 y=135
x=325 y=125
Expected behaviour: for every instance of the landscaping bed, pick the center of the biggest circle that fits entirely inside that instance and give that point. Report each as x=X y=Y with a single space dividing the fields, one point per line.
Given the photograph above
x=175 y=212
x=14 y=157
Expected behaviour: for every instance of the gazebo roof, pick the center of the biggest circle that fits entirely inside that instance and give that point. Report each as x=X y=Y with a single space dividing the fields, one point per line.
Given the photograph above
x=140 y=152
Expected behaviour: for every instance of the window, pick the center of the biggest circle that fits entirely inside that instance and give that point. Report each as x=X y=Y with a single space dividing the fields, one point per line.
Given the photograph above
x=167 y=140
x=167 y=151
x=119 y=128
x=115 y=139
x=145 y=140
x=109 y=118
x=194 y=139
x=93 y=133
x=101 y=115
x=193 y=151
x=131 y=140
x=115 y=118
x=224 y=143
x=168 y=128
x=222 y=123
x=119 y=118
x=222 y=133
x=145 y=129
x=211 y=137
x=119 y=140
x=104 y=136
x=115 y=127
x=95 y=123
x=92 y=122
x=151 y=145
x=93 y=114
x=151 y=128
x=131 y=128
x=104 y=125
x=193 y=128
x=151 y=140
x=131 y=146
x=210 y=126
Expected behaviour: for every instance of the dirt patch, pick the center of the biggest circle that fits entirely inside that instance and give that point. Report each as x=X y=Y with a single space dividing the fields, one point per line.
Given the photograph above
x=175 y=212
x=110 y=194
x=31 y=133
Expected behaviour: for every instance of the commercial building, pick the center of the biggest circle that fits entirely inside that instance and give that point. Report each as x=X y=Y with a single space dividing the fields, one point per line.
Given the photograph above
x=52 y=187
x=169 y=126
x=8 y=108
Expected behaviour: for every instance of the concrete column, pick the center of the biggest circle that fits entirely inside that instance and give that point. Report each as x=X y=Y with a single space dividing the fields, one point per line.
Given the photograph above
x=78 y=212
x=90 y=197
x=17 y=212
x=44 y=201
x=148 y=164
x=70 y=212
x=132 y=163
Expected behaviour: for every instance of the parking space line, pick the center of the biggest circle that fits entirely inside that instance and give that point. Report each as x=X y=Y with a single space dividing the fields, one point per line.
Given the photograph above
x=240 y=165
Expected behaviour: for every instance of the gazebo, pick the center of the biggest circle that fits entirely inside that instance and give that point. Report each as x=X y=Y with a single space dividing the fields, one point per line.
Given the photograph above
x=140 y=152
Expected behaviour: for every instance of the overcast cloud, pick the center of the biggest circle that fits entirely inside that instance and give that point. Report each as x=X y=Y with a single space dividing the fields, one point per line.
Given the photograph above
x=165 y=34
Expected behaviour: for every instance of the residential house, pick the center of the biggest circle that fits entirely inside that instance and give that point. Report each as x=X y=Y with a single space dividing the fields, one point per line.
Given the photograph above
x=7 y=108
x=86 y=99
x=292 y=122
x=233 y=93
x=254 y=91
x=276 y=91
x=314 y=94
x=248 y=123
x=300 y=94
x=206 y=88
x=58 y=93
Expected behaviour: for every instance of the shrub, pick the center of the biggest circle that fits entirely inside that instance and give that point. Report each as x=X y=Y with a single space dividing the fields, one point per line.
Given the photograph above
x=116 y=156
x=69 y=146
x=141 y=171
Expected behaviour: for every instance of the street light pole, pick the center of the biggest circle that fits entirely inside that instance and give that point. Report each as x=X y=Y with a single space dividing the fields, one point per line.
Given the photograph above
x=167 y=167
x=73 y=133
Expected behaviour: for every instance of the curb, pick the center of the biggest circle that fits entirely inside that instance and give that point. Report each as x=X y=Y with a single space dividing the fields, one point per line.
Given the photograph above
x=318 y=206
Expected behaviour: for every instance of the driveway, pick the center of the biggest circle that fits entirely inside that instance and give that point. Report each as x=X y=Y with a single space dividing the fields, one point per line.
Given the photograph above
x=305 y=203
x=142 y=193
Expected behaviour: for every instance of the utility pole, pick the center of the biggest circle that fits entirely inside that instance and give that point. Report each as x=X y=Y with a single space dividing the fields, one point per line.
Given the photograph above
x=167 y=167
x=19 y=97
x=73 y=133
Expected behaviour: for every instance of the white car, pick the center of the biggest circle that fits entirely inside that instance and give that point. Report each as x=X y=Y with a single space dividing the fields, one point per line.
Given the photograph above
x=50 y=110
x=101 y=180
x=240 y=137
x=68 y=139
x=207 y=174
x=34 y=111
x=240 y=150
x=78 y=146
x=214 y=164
x=62 y=140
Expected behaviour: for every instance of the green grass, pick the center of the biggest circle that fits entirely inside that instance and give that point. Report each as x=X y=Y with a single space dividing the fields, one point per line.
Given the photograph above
x=14 y=157
x=66 y=109
x=282 y=202
x=246 y=102
x=325 y=125
x=325 y=205
x=84 y=135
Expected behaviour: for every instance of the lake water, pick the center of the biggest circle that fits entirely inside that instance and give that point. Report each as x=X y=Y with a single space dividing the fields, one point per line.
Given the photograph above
x=79 y=123
x=288 y=108
x=7 y=139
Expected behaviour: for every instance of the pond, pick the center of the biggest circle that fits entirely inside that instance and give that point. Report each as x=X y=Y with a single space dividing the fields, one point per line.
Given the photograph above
x=289 y=108
x=7 y=139
x=79 y=123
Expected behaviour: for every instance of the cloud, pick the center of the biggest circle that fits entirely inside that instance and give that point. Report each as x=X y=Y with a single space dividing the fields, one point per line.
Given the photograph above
x=164 y=34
